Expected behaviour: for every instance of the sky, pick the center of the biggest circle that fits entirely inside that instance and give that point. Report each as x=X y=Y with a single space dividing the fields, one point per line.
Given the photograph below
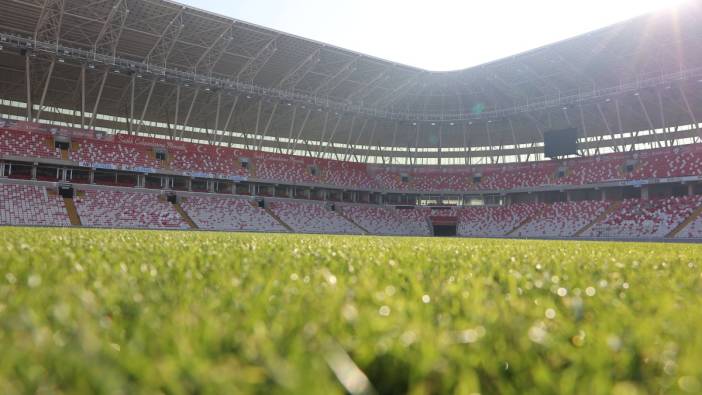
x=437 y=35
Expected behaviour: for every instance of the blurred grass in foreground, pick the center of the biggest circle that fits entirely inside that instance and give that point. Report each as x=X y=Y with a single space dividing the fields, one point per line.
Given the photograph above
x=128 y=312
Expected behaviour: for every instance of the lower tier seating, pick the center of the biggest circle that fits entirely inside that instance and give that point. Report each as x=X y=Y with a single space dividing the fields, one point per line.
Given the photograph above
x=494 y=221
x=646 y=218
x=312 y=218
x=562 y=219
x=390 y=221
x=31 y=205
x=692 y=231
x=117 y=209
x=215 y=213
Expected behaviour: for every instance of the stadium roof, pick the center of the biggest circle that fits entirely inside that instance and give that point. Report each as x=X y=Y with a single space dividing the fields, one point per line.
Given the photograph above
x=191 y=67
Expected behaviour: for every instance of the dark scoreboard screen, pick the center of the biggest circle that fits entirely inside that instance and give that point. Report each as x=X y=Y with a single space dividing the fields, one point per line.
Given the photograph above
x=558 y=143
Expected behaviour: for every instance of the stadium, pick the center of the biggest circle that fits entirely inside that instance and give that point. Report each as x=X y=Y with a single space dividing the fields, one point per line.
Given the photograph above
x=170 y=179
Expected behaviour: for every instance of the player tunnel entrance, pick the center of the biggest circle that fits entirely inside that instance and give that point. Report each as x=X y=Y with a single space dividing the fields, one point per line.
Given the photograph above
x=444 y=226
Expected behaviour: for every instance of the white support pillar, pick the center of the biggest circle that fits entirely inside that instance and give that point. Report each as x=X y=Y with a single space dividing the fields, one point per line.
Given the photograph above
x=28 y=75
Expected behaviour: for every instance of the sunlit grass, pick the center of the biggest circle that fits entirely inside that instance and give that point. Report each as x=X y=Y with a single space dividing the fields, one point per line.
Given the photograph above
x=86 y=311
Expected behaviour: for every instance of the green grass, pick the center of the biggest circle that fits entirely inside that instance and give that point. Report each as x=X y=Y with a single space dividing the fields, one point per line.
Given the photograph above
x=128 y=312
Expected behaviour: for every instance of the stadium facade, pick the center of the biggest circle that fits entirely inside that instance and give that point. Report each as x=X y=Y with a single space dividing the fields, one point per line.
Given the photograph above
x=157 y=95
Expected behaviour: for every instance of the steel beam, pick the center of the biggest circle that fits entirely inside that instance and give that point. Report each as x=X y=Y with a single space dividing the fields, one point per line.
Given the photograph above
x=251 y=69
x=48 y=27
x=290 y=81
x=108 y=37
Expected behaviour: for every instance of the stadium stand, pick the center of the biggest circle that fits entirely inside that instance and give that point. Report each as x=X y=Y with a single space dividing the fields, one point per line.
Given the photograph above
x=215 y=213
x=107 y=152
x=348 y=174
x=678 y=162
x=495 y=221
x=442 y=181
x=27 y=144
x=119 y=209
x=390 y=221
x=693 y=230
x=31 y=205
x=307 y=217
x=290 y=170
x=516 y=176
x=205 y=159
x=562 y=219
x=593 y=170
x=655 y=218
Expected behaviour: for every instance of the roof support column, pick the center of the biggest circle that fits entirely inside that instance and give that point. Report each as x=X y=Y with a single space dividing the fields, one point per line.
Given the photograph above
x=648 y=119
x=215 y=133
x=190 y=112
x=98 y=99
x=177 y=111
x=28 y=75
x=514 y=138
x=348 y=141
x=82 y=96
x=439 y=150
x=416 y=145
x=131 y=104
x=49 y=74
x=268 y=125
x=391 y=158
x=229 y=120
x=325 y=124
x=584 y=126
x=333 y=133
x=293 y=147
x=619 y=120
x=146 y=106
x=666 y=131
x=691 y=113
x=292 y=128
x=607 y=126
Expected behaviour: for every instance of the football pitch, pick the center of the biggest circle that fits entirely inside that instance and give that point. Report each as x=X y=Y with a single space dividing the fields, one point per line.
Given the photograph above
x=128 y=312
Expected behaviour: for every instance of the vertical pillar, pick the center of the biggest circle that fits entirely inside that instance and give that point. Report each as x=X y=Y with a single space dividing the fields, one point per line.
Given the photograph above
x=690 y=189
x=91 y=176
x=34 y=171
x=82 y=96
x=644 y=192
x=28 y=75
x=131 y=105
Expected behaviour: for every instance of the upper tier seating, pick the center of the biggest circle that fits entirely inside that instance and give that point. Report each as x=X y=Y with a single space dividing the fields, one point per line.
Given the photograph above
x=563 y=219
x=390 y=221
x=646 y=218
x=668 y=163
x=590 y=171
x=521 y=177
x=117 y=209
x=348 y=174
x=390 y=180
x=31 y=205
x=199 y=158
x=106 y=152
x=215 y=213
x=26 y=144
x=284 y=170
x=205 y=159
x=494 y=221
x=428 y=182
x=312 y=218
